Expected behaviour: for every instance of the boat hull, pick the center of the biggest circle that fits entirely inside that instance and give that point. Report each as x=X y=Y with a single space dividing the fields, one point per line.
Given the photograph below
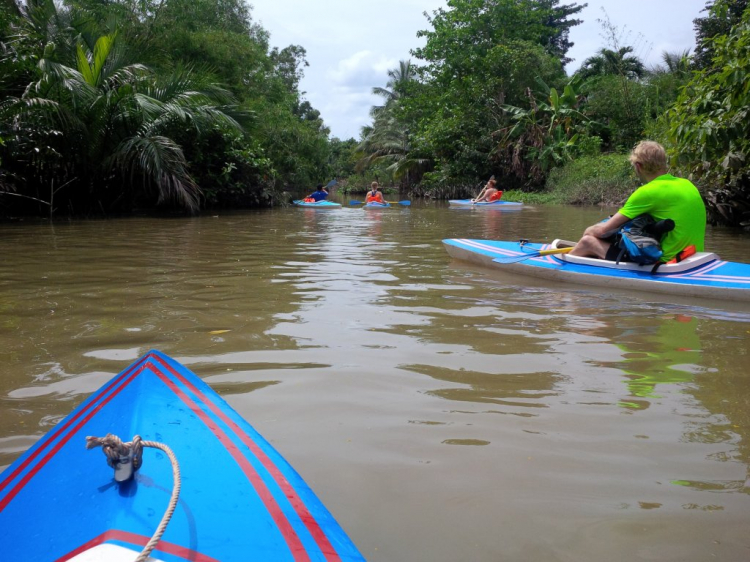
x=240 y=499
x=710 y=278
x=375 y=205
x=317 y=204
x=484 y=204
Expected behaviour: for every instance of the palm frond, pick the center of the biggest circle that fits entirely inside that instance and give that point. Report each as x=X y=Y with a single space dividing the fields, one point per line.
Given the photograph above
x=161 y=162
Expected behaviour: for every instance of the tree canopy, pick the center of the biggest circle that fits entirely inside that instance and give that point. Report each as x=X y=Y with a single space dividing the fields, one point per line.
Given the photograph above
x=111 y=105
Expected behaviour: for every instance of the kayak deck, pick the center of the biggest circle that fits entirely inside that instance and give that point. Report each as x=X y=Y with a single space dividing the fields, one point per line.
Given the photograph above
x=317 y=204
x=703 y=274
x=240 y=500
x=484 y=204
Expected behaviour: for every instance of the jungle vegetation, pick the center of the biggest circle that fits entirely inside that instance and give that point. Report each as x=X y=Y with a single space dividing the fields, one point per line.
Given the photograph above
x=111 y=106
x=489 y=94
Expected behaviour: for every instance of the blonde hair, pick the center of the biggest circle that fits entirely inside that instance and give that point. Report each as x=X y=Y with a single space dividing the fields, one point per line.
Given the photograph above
x=374 y=185
x=651 y=156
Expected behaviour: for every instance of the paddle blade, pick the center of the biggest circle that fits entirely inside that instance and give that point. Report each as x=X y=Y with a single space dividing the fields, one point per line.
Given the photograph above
x=355 y=202
x=331 y=183
x=405 y=203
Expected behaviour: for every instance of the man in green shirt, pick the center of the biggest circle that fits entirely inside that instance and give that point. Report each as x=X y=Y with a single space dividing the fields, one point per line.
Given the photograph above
x=663 y=197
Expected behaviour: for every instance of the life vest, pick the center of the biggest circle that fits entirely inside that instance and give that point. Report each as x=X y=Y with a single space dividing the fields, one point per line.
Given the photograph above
x=496 y=196
x=378 y=198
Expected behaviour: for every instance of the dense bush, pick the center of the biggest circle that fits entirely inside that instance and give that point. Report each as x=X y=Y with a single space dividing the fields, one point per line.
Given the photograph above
x=607 y=179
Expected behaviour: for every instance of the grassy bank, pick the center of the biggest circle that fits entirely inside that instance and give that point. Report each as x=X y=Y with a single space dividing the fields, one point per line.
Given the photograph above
x=606 y=179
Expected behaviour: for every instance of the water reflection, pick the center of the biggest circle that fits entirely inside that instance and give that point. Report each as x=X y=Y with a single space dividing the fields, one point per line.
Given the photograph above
x=666 y=353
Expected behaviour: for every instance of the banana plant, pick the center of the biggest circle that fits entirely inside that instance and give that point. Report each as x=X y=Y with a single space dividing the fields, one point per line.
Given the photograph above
x=545 y=134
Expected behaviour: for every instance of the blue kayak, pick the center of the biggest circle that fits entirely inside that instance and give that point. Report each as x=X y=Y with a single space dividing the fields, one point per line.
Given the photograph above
x=317 y=204
x=703 y=274
x=484 y=204
x=376 y=205
x=239 y=499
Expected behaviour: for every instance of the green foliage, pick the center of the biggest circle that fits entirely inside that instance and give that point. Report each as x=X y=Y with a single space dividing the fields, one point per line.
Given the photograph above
x=343 y=159
x=243 y=177
x=477 y=57
x=109 y=105
x=710 y=127
x=469 y=29
x=545 y=135
x=611 y=62
x=397 y=86
x=530 y=197
x=94 y=119
x=722 y=16
x=605 y=179
x=620 y=106
x=386 y=146
x=298 y=148
x=666 y=81
x=457 y=125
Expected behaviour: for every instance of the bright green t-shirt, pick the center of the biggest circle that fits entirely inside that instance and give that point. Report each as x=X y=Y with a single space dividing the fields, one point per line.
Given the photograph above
x=668 y=197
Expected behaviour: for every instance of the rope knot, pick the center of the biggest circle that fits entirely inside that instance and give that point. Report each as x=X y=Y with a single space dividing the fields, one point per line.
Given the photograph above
x=124 y=458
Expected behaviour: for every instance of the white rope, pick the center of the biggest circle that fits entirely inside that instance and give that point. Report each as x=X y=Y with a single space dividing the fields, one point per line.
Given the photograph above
x=116 y=452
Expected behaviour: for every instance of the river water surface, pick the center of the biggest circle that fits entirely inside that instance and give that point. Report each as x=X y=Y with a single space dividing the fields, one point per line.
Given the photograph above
x=442 y=412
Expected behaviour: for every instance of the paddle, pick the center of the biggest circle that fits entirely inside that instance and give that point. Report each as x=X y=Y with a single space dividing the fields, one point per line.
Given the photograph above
x=481 y=193
x=404 y=203
x=514 y=259
x=331 y=183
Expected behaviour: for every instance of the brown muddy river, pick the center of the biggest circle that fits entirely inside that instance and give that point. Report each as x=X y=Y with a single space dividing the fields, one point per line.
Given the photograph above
x=442 y=412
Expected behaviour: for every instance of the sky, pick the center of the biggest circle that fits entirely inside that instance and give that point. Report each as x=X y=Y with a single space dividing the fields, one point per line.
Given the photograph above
x=351 y=44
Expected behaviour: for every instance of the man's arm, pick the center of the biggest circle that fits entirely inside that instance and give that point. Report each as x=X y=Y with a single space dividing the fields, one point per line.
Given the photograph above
x=606 y=229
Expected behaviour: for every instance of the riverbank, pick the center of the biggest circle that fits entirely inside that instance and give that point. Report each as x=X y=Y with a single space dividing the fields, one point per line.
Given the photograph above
x=605 y=179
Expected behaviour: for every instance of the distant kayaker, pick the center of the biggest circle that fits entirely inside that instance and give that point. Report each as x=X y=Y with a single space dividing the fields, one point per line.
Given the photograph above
x=489 y=193
x=374 y=196
x=662 y=196
x=319 y=194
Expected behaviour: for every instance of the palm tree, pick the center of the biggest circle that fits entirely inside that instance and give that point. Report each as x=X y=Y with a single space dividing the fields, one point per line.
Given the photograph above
x=387 y=142
x=95 y=120
x=609 y=62
x=678 y=64
x=398 y=78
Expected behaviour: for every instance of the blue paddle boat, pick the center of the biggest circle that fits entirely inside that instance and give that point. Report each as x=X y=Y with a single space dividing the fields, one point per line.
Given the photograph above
x=499 y=204
x=317 y=204
x=195 y=471
x=702 y=274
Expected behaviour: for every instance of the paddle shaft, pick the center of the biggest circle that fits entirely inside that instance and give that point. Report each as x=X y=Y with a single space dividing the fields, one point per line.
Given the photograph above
x=514 y=259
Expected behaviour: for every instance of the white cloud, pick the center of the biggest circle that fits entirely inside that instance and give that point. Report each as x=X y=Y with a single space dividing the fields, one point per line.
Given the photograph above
x=364 y=69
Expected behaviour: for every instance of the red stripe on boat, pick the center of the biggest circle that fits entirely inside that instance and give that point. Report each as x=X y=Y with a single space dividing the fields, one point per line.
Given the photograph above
x=285 y=528
x=299 y=506
x=52 y=437
x=21 y=483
